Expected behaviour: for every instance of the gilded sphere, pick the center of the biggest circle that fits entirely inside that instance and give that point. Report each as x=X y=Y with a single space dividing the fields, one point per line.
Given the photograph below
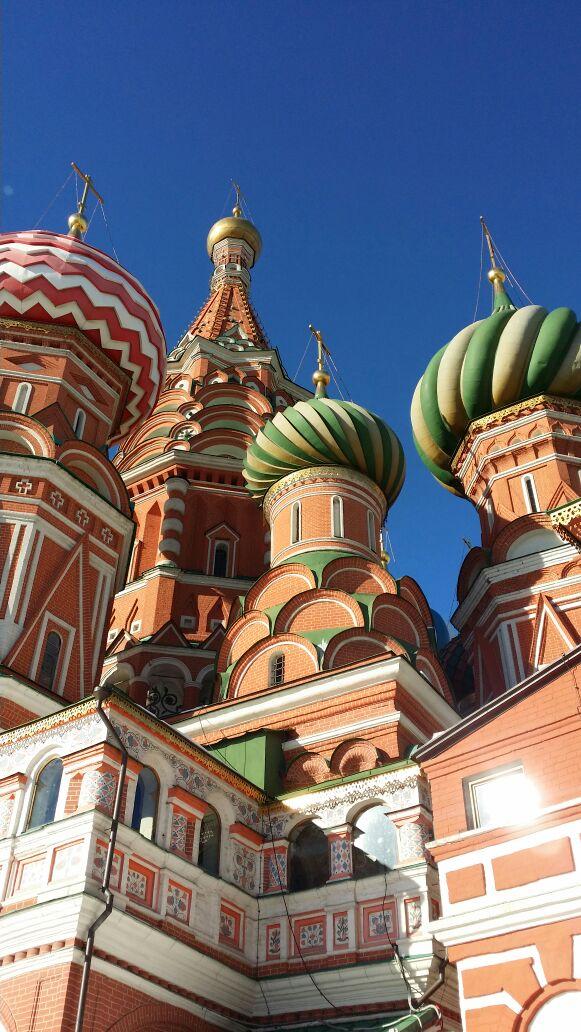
x=78 y=222
x=496 y=275
x=237 y=228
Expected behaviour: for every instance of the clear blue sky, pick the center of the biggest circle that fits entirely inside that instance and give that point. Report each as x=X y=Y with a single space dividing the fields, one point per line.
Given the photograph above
x=368 y=137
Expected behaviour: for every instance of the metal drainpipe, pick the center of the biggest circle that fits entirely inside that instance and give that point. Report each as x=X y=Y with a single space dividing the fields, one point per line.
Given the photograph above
x=102 y=694
x=434 y=986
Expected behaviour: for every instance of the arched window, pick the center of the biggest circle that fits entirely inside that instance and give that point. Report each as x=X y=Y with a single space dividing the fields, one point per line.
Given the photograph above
x=46 y=793
x=220 y=568
x=295 y=523
x=209 y=851
x=337 y=516
x=276 y=670
x=374 y=843
x=145 y=805
x=530 y=493
x=79 y=423
x=50 y=659
x=371 y=531
x=308 y=858
x=22 y=398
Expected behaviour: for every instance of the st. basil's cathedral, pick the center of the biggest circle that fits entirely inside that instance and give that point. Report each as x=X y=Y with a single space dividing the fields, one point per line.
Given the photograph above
x=246 y=779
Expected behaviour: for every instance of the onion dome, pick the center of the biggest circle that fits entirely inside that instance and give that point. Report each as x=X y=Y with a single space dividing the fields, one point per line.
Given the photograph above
x=512 y=355
x=235 y=227
x=323 y=432
x=55 y=279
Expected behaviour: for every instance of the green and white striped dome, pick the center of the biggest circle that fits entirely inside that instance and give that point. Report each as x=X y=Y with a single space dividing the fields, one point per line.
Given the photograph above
x=323 y=432
x=512 y=355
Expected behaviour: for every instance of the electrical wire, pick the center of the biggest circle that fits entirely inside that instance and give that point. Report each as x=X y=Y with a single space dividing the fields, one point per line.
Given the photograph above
x=261 y=987
x=57 y=194
x=309 y=338
x=106 y=221
x=480 y=273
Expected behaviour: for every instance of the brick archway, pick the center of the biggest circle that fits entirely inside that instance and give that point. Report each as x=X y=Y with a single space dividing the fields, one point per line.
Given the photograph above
x=7 y=1021
x=153 y=1017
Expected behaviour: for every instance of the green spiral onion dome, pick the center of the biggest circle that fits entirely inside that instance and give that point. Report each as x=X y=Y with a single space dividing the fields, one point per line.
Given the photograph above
x=512 y=355
x=323 y=432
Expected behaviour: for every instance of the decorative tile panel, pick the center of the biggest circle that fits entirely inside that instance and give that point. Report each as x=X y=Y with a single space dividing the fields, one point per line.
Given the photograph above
x=378 y=924
x=244 y=867
x=99 y=865
x=178 y=902
x=140 y=883
x=179 y=831
x=309 y=934
x=6 y=810
x=98 y=789
x=274 y=876
x=412 y=839
x=413 y=915
x=341 y=930
x=66 y=861
x=30 y=874
x=340 y=856
x=273 y=942
x=231 y=930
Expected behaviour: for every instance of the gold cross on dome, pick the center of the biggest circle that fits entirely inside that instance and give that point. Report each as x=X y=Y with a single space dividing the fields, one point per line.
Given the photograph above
x=237 y=209
x=77 y=221
x=321 y=346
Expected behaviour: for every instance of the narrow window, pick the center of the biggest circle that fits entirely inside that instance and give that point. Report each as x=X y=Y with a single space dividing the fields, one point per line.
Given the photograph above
x=530 y=493
x=308 y=858
x=209 y=851
x=79 y=423
x=337 y=516
x=489 y=510
x=295 y=523
x=145 y=805
x=46 y=793
x=22 y=398
x=220 y=568
x=50 y=660
x=277 y=670
x=371 y=532
x=500 y=797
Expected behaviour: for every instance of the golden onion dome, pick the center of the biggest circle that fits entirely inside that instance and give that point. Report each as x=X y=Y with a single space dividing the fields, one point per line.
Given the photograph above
x=237 y=228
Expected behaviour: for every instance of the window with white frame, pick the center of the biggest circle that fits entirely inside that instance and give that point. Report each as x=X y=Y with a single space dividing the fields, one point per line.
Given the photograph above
x=50 y=660
x=220 y=564
x=371 y=531
x=276 y=670
x=22 y=398
x=46 y=793
x=337 y=516
x=295 y=523
x=498 y=797
x=79 y=423
x=530 y=493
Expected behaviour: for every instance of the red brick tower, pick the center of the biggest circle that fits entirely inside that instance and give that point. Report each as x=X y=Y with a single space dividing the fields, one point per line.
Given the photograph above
x=496 y=418
x=200 y=541
x=83 y=356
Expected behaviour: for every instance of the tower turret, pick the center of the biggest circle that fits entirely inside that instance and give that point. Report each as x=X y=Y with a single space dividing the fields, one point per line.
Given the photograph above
x=496 y=420
x=83 y=354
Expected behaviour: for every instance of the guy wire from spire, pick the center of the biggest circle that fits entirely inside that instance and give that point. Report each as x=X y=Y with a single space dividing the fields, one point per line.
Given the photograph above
x=59 y=191
x=512 y=276
x=480 y=273
x=106 y=221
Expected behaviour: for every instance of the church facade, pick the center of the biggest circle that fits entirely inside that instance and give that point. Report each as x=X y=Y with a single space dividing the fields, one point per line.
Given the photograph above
x=244 y=781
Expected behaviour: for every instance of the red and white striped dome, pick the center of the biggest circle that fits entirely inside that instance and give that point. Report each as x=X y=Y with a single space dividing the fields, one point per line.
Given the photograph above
x=51 y=278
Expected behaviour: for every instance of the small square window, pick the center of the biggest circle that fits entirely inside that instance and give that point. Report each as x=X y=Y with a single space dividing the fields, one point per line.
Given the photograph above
x=135 y=627
x=187 y=623
x=503 y=796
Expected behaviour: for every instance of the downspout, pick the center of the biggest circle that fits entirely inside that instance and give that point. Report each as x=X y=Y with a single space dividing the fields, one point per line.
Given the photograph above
x=419 y=1003
x=102 y=693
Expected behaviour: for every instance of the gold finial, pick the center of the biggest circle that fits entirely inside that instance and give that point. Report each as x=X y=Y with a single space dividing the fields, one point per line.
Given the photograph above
x=237 y=210
x=384 y=556
x=321 y=378
x=77 y=221
x=495 y=275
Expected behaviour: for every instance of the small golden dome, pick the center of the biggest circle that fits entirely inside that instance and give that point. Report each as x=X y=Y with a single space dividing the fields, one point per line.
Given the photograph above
x=236 y=227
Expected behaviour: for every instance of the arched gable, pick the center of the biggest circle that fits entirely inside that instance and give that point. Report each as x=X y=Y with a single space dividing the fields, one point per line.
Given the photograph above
x=358 y=576
x=354 y=646
x=354 y=756
x=252 y=671
x=318 y=609
x=395 y=616
x=524 y=525
x=90 y=466
x=278 y=586
x=306 y=769
x=241 y=636
x=24 y=436
x=476 y=560
x=429 y=667
x=410 y=590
